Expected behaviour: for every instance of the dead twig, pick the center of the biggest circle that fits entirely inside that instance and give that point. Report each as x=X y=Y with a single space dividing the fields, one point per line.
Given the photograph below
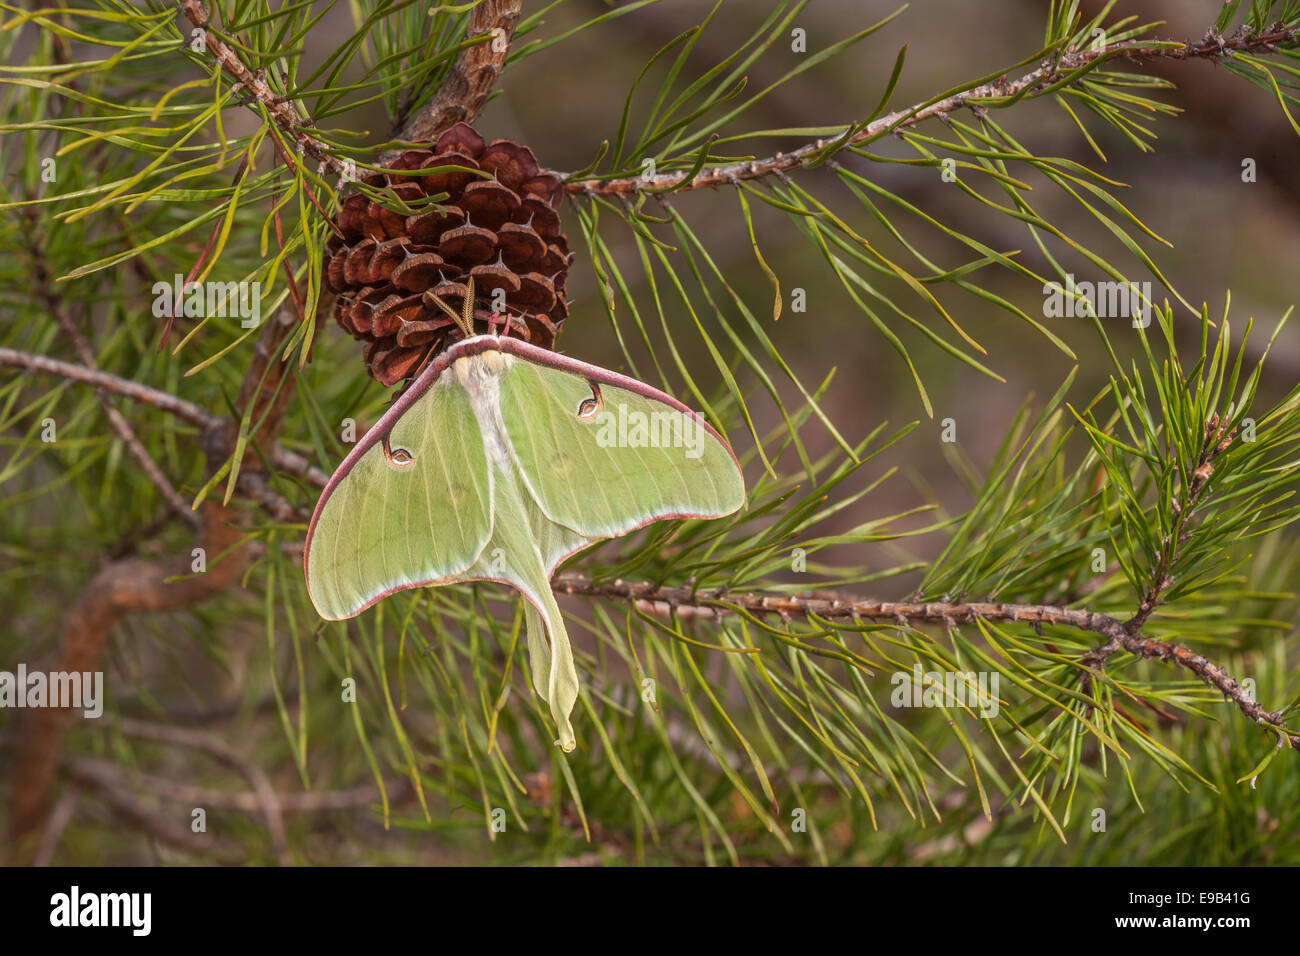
x=267 y=798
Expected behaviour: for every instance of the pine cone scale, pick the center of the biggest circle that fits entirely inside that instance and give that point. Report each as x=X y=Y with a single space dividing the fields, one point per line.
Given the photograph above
x=391 y=271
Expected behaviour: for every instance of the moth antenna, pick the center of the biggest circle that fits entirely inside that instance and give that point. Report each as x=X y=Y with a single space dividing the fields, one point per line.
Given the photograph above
x=467 y=317
x=445 y=307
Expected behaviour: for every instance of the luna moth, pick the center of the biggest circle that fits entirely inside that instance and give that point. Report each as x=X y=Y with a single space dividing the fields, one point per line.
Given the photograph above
x=498 y=462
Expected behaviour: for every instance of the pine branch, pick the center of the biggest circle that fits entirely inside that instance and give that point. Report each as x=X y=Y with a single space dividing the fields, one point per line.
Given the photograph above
x=163 y=401
x=44 y=287
x=1212 y=47
x=281 y=111
x=60 y=817
x=719 y=602
x=282 y=458
x=467 y=84
x=246 y=801
x=135 y=585
x=268 y=800
x=254 y=486
x=130 y=586
x=1216 y=441
x=108 y=783
x=461 y=97
x=116 y=420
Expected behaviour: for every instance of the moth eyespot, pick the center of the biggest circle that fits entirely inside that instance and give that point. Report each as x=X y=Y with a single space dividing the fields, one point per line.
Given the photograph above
x=589 y=408
x=398 y=459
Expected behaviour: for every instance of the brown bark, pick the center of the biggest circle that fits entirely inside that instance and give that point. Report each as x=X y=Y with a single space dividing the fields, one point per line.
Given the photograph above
x=130 y=586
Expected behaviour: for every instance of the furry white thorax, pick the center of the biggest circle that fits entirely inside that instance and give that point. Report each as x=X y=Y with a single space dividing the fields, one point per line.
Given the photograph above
x=480 y=376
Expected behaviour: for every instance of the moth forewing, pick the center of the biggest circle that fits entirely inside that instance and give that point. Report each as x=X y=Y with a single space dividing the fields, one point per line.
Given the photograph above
x=409 y=506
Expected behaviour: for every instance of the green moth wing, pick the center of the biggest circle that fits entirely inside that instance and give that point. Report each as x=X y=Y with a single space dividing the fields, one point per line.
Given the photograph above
x=523 y=550
x=500 y=461
x=603 y=454
x=380 y=527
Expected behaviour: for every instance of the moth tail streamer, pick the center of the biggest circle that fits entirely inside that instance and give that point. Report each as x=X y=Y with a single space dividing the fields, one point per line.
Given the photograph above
x=555 y=676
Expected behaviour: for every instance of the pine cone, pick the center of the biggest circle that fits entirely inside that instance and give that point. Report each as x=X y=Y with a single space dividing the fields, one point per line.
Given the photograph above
x=503 y=231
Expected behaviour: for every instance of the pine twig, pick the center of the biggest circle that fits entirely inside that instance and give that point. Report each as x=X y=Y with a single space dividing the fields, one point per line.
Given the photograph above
x=245 y=801
x=44 y=288
x=60 y=817
x=282 y=458
x=163 y=401
x=116 y=420
x=267 y=798
x=106 y=780
x=1211 y=47
x=1215 y=442
x=461 y=97
x=281 y=111
x=254 y=486
x=719 y=602
x=180 y=714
